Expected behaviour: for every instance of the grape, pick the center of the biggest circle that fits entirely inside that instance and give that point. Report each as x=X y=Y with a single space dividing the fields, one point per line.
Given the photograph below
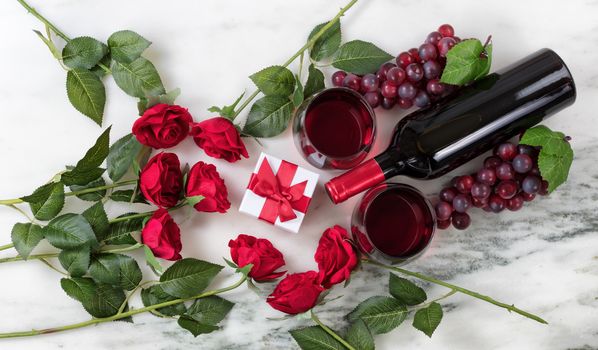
x=395 y=76
x=543 y=191
x=388 y=89
x=464 y=183
x=506 y=151
x=414 y=72
x=421 y=99
x=479 y=202
x=369 y=83
x=415 y=54
x=448 y=194
x=432 y=69
x=435 y=87
x=404 y=59
x=352 y=82
x=383 y=71
x=443 y=224
x=446 y=30
x=388 y=103
x=522 y=163
x=496 y=203
x=531 y=184
x=492 y=162
x=515 y=203
x=505 y=172
x=428 y=52
x=373 y=99
x=407 y=91
x=443 y=211
x=461 y=221
x=461 y=203
x=433 y=38
x=457 y=39
x=444 y=45
x=534 y=171
x=527 y=197
x=506 y=189
x=486 y=176
x=527 y=149
x=338 y=77
x=404 y=104
x=480 y=190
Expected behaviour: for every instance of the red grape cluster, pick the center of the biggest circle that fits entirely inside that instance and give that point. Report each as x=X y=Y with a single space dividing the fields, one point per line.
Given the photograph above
x=508 y=179
x=413 y=80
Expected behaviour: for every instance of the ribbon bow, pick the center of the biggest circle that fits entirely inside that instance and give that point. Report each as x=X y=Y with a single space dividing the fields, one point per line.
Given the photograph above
x=281 y=198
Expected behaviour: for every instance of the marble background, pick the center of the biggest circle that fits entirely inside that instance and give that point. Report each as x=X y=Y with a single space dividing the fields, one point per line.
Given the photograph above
x=543 y=258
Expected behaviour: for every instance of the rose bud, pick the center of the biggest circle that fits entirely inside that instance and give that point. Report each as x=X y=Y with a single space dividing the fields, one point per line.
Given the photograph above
x=261 y=253
x=162 y=235
x=162 y=126
x=296 y=293
x=336 y=257
x=219 y=138
x=204 y=180
x=161 y=180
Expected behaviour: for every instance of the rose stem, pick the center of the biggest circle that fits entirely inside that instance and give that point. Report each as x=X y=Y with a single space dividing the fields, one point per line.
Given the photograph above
x=330 y=331
x=7 y=246
x=458 y=289
x=49 y=24
x=76 y=193
x=307 y=45
x=121 y=315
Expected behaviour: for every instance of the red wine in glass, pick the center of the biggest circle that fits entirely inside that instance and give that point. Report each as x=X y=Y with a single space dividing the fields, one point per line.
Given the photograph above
x=393 y=222
x=334 y=128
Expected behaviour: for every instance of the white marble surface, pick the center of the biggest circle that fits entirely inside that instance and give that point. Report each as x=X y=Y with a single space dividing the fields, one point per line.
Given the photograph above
x=543 y=258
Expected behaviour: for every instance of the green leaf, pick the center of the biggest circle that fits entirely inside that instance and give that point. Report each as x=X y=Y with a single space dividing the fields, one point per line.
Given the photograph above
x=105 y=301
x=86 y=93
x=298 y=93
x=70 y=231
x=90 y=196
x=360 y=57
x=328 y=43
x=125 y=196
x=121 y=155
x=188 y=277
x=209 y=310
x=130 y=273
x=25 y=237
x=155 y=295
x=83 y=52
x=46 y=201
x=100 y=72
x=406 y=291
x=465 y=62
x=97 y=218
x=150 y=101
x=227 y=111
x=360 y=336
x=87 y=169
x=126 y=45
x=138 y=78
x=120 y=232
x=427 y=319
x=151 y=260
x=81 y=176
x=381 y=314
x=487 y=64
x=315 y=81
x=105 y=268
x=196 y=328
x=75 y=261
x=274 y=80
x=315 y=338
x=268 y=117
x=556 y=154
x=80 y=289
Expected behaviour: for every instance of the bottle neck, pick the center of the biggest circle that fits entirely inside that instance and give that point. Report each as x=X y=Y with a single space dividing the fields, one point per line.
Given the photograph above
x=366 y=175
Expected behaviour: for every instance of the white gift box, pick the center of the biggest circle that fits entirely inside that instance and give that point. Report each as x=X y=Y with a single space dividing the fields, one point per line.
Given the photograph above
x=279 y=192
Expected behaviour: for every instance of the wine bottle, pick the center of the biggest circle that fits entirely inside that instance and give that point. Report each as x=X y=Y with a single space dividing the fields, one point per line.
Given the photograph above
x=433 y=141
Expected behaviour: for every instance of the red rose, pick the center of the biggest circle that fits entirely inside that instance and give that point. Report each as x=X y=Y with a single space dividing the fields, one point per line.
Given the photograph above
x=219 y=139
x=204 y=180
x=259 y=252
x=162 y=126
x=162 y=235
x=296 y=293
x=161 y=180
x=336 y=257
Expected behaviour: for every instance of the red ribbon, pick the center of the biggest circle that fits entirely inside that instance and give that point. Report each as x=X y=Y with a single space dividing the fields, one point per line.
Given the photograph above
x=281 y=197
